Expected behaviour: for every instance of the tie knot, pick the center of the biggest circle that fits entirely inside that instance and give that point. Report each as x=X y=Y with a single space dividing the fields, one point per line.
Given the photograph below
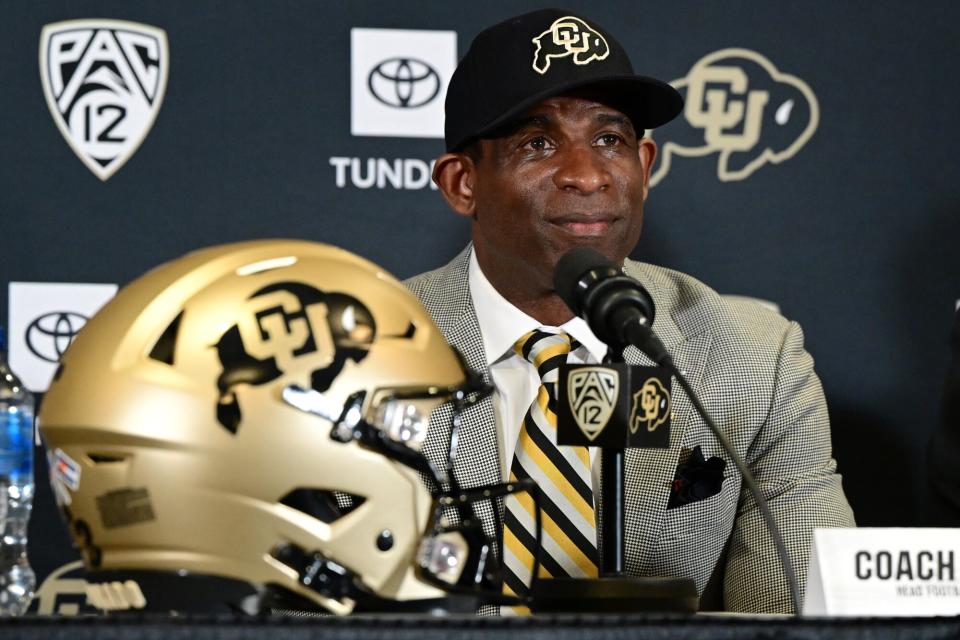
x=545 y=350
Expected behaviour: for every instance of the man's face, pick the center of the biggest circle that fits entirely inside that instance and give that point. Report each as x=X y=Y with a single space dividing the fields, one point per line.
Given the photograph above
x=572 y=173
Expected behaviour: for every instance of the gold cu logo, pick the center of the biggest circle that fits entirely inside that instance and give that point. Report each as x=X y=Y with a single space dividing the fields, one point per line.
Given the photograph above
x=717 y=110
x=740 y=105
x=279 y=327
x=568 y=36
x=651 y=406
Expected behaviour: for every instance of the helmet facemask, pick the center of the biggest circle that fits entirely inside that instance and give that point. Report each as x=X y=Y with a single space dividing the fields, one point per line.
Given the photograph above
x=455 y=553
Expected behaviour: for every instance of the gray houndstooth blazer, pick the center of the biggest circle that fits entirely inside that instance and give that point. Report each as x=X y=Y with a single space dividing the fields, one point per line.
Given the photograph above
x=749 y=368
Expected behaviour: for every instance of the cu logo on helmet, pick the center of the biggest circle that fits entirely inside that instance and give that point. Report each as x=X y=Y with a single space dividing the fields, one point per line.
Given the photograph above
x=48 y=336
x=404 y=83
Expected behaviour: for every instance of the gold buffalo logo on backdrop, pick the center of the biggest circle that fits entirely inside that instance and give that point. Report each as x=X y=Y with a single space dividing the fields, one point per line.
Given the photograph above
x=651 y=406
x=592 y=393
x=740 y=106
x=568 y=36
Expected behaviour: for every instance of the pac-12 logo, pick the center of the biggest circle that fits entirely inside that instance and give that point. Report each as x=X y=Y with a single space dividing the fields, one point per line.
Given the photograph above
x=592 y=393
x=741 y=107
x=104 y=81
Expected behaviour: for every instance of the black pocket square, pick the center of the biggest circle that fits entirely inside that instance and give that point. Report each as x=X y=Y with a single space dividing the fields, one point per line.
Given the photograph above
x=696 y=479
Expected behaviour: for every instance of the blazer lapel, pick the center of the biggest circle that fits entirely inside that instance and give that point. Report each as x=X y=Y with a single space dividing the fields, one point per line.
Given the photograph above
x=650 y=472
x=477 y=460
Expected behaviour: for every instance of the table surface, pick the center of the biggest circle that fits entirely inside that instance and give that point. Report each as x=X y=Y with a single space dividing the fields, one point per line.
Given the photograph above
x=554 y=627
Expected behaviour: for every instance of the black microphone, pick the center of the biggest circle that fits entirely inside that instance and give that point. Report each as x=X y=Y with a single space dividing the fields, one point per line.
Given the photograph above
x=615 y=306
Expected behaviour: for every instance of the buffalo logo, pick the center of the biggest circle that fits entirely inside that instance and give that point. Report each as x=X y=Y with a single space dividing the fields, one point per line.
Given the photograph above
x=104 y=81
x=405 y=83
x=289 y=325
x=592 y=393
x=65 y=592
x=568 y=36
x=651 y=406
x=48 y=336
x=739 y=105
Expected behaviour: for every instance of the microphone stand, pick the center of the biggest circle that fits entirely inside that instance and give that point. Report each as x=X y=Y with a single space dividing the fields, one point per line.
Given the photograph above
x=613 y=591
x=612 y=542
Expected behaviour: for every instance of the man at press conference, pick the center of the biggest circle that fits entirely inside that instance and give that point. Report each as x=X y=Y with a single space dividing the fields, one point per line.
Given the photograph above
x=546 y=152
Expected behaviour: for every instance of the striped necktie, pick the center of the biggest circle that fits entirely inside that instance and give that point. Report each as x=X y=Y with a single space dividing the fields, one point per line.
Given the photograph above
x=569 y=535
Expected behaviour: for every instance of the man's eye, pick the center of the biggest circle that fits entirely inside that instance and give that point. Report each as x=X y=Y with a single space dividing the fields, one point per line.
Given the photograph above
x=537 y=144
x=609 y=140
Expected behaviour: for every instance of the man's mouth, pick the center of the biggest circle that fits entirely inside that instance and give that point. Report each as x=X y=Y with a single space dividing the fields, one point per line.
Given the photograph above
x=585 y=225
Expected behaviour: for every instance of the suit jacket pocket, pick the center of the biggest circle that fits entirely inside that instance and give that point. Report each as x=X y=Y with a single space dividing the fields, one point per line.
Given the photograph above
x=707 y=517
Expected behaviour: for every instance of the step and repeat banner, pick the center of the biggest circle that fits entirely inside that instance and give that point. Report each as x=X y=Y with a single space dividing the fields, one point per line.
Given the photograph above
x=813 y=167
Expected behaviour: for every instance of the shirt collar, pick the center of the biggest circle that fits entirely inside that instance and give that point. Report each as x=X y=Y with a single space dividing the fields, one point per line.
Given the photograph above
x=501 y=323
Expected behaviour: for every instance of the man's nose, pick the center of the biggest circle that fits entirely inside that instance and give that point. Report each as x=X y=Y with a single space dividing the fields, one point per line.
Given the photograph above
x=582 y=170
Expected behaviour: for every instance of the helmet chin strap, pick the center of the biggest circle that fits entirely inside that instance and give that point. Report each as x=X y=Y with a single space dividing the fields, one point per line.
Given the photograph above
x=338 y=584
x=130 y=591
x=133 y=593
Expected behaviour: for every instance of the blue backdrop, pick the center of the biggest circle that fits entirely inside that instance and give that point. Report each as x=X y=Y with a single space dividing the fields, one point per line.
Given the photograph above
x=851 y=231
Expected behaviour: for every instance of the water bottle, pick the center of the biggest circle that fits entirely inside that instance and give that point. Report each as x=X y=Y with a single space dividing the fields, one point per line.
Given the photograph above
x=17 y=580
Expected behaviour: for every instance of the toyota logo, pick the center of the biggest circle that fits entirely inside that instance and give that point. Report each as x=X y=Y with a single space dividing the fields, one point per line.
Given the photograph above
x=404 y=83
x=48 y=336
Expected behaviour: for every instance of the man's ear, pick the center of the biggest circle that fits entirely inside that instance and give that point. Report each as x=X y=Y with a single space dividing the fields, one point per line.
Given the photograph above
x=454 y=174
x=648 y=155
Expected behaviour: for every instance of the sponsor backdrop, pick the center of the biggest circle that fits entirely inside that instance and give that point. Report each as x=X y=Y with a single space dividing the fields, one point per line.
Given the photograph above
x=812 y=168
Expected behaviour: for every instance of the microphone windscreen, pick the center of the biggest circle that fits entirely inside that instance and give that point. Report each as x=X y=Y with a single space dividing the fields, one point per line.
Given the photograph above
x=571 y=268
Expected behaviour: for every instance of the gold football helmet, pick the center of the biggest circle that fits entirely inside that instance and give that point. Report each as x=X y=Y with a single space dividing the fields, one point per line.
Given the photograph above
x=256 y=411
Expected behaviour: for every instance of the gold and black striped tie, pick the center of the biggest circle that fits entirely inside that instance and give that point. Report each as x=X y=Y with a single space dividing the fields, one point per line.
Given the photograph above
x=569 y=533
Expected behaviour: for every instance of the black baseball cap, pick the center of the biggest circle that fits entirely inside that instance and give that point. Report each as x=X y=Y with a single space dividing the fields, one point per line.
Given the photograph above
x=519 y=62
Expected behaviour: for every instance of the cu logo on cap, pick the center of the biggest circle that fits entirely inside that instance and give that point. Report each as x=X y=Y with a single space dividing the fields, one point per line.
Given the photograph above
x=569 y=36
x=404 y=83
x=48 y=336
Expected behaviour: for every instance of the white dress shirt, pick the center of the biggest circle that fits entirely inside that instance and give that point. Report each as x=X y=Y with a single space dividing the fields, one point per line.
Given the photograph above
x=516 y=380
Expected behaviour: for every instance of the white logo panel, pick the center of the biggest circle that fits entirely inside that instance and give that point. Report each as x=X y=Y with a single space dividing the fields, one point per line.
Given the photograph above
x=884 y=572
x=398 y=81
x=44 y=320
x=104 y=81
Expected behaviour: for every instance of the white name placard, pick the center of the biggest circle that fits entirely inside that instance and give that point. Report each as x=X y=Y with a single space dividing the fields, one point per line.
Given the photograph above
x=884 y=572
